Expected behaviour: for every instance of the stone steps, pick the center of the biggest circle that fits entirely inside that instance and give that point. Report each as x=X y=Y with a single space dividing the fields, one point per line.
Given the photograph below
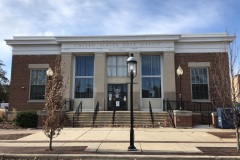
x=122 y=118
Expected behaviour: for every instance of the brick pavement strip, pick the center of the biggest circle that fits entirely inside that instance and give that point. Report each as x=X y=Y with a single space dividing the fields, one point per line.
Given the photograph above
x=102 y=143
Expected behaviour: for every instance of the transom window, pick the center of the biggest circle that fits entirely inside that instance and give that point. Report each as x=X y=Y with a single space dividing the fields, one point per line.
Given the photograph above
x=37 y=84
x=151 y=77
x=84 y=73
x=199 y=77
x=117 y=66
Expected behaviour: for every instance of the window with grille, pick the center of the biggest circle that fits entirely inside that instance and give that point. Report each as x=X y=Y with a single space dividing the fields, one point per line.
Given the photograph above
x=199 y=78
x=37 y=84
x=151 y=76
x=117 y=66
x=84 y=76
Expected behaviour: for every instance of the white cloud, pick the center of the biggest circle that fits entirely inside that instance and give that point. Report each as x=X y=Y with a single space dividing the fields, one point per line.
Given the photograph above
x=47 y=33
x=106 y=17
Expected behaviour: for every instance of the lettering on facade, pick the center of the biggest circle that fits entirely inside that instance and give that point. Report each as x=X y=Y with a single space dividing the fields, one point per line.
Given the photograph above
x=113 y=45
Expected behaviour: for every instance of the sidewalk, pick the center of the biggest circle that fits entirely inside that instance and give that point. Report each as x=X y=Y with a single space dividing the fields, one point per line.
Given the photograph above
x=112 y=143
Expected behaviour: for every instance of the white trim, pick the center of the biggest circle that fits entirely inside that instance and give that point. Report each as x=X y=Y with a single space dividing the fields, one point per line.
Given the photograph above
x=178 y=43
x=34 y=49
x=38 y=66
x=198 y=64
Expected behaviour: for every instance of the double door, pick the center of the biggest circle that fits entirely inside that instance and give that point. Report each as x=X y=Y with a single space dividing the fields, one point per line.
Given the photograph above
x=117 y=97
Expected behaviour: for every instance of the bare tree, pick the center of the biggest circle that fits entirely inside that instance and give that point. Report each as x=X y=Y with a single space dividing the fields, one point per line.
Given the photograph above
x=3 y=82
x=226 y=87
x=54 y=104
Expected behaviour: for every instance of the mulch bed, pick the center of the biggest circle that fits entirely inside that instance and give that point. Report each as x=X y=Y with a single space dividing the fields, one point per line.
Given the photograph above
x=219 y=151
x=13 y=136
x=8 y=125
x=43 y=150
x=223 y=134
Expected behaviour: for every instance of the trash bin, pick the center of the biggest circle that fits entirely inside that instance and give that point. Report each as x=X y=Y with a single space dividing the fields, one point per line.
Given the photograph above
x=225 y=118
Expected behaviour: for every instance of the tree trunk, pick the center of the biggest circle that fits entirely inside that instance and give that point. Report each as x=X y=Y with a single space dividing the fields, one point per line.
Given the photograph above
x=51 y=137
x=236 y=124
x=237 y=138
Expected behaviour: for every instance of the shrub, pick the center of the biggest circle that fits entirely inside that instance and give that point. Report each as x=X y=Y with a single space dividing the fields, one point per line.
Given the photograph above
x=27 y=119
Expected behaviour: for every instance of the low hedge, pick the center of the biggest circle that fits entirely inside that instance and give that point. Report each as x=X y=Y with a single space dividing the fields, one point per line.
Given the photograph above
x=27 y=119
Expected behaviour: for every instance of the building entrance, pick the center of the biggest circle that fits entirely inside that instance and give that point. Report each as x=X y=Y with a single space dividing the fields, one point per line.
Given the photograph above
x=117 y=97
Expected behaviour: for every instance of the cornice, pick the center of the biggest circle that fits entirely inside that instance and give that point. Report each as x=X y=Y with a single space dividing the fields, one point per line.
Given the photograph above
x=220 y=37
x=26 y=40
x=114 y=38
x=177 y=38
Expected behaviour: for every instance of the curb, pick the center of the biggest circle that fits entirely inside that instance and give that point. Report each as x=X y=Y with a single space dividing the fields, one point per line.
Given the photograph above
x=110 y=157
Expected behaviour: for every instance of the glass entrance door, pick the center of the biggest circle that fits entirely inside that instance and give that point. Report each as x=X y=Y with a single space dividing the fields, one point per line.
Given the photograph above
x=117 y=97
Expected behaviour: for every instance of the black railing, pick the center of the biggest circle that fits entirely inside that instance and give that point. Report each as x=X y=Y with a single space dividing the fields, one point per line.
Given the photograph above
x=169 y=107
x=69 y=103
x=204 y=108
x=151 y=113
x=77 y=113
x=113 y=116
x=95 y=113
x=189 y=106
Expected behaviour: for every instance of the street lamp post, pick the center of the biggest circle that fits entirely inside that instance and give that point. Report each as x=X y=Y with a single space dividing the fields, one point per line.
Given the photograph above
x=49 y=79
x=180 y=73
x=49 y=73
x=132 y=72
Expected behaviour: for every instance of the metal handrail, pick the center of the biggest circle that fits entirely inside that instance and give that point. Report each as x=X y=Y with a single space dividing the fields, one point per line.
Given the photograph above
x=113 y=116
x=190 y=106
x=168 y=107
x=77 y=113
x=95 y=113
x=151 y=113
x=204 y=108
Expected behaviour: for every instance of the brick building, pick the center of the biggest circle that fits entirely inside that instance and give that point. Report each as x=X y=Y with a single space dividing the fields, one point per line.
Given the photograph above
x=96 y=70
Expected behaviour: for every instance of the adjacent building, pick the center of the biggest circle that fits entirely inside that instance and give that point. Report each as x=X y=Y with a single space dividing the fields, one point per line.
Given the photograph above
x=95 y=69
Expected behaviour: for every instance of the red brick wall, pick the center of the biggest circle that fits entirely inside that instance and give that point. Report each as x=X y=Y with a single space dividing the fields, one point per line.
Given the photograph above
x=183 y=121
x=182 y=59
x=197 y=118
x=20 y=77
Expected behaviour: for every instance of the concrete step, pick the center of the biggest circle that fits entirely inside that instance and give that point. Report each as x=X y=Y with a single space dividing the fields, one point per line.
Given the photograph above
x=122 y=118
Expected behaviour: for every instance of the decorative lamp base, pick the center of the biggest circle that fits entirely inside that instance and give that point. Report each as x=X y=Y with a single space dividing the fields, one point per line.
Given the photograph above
x=132 y=148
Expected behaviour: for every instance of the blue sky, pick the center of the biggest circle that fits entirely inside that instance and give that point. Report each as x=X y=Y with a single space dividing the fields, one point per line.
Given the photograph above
x=113 y=17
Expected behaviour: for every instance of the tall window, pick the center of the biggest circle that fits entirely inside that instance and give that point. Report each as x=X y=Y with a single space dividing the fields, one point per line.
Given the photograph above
x=151 y=77
x=199 y=83
x=117 y=66
x=37 y=84
x=84 y=72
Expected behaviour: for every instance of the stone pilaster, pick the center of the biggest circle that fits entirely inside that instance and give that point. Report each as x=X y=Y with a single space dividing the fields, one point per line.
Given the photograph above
x=100 y=78
x=136 y=86
x=169 y=86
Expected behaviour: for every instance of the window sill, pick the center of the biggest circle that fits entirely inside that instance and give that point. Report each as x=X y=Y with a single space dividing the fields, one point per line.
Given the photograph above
x=153 y=98
x=35 y=101
x=204 y=100
x=83 y=98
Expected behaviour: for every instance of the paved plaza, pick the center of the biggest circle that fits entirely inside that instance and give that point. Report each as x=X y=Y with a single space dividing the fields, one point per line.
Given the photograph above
x=202 y=142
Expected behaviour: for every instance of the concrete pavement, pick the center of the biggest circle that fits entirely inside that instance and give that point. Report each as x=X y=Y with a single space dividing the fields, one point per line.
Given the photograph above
x=112 y=143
